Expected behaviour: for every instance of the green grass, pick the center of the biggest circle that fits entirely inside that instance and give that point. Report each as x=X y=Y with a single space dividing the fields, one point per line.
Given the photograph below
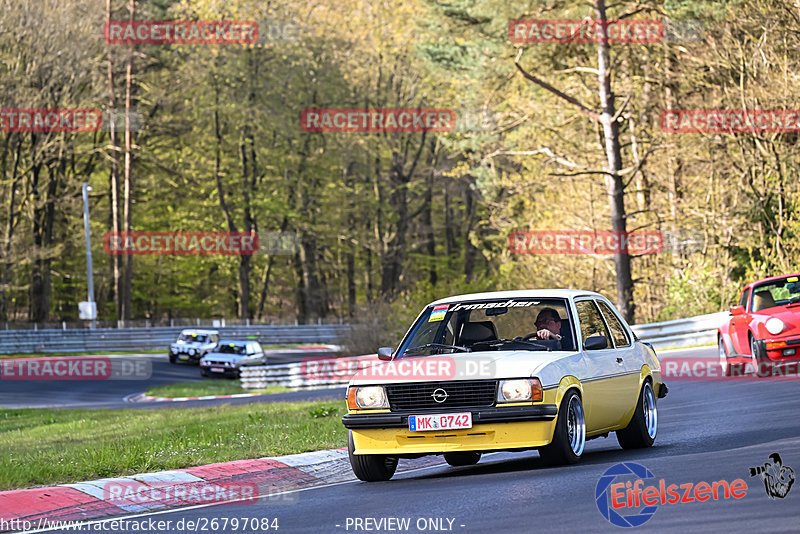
x=207 y=387
x=44 y=447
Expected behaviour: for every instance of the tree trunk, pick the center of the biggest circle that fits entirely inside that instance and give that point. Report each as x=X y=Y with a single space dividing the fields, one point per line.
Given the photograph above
x=614 y=182
x=114 y=177
x=128 y=278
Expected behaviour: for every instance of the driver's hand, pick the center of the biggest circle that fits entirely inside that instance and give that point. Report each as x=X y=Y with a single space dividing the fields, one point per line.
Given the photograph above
x=544 y=333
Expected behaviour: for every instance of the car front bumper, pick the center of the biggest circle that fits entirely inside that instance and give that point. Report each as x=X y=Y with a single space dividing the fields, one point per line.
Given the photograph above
x=507 y=427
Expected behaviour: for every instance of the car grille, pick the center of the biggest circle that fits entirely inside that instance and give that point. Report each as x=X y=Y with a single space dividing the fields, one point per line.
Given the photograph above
x=460 y=394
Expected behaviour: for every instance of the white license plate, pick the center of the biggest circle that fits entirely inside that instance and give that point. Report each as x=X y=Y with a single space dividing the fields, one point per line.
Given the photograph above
x=183 y=357
x=217 y=370
x=439 y=421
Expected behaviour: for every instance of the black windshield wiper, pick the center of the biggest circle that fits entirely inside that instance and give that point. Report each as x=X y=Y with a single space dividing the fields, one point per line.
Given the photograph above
x=498 y=342
x=436 y=346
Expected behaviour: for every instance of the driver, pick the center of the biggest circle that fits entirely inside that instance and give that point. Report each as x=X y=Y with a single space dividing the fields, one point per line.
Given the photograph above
x=548 y=325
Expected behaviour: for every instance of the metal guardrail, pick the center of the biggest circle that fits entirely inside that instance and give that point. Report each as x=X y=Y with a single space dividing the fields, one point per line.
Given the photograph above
x=681 y=332
x=313 y=372
x=326 y=372
x=698 y=330
x=119 y=339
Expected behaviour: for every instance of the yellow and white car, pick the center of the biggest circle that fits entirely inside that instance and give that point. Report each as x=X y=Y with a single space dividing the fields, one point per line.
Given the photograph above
x=510 y=371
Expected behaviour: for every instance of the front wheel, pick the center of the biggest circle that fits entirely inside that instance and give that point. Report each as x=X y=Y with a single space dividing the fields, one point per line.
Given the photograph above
x=458 y=459
x=641 y=431
x=370 y=467
x=569 y=436
x=761 y=367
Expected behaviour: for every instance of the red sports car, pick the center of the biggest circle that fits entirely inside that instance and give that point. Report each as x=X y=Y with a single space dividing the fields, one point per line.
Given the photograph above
x=764 y=328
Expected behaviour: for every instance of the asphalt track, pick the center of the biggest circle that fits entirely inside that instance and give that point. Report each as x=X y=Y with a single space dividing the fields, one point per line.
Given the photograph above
x=112 y=394
x=708 y=431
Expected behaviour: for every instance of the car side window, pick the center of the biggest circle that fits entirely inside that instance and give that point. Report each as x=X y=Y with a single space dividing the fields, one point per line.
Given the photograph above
x=617 y=330
x=591 y=321
x=745 y=298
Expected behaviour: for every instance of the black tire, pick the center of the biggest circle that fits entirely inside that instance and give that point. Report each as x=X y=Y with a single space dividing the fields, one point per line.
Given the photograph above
x=641 y=431
x=370 y=467
x=172 y=358
x=458 y=459
x=564 y=449
x=203 y=372
x=727 y=368
x=759 y=360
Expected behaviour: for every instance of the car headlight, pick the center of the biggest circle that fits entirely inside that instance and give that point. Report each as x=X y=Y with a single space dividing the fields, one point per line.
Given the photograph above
x=191 y=352
x=519 y=390
x=367 y=397
x=775 y=326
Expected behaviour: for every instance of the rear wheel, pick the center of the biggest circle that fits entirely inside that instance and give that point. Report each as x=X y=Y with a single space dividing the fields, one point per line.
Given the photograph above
x=457 y=459
x=727 y=369
x=370 y=467
x=569 y=436
x=641 y=431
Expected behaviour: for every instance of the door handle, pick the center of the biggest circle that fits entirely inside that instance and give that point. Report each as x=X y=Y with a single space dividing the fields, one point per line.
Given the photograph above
x=619 y=360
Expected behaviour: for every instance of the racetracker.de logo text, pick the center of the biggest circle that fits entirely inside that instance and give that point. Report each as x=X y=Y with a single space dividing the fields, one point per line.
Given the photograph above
x=730 y=121
x=70 y=120
x=584 y=242
x=181 y=32
x=377 y=120
x=180 y=243
x=585 y=31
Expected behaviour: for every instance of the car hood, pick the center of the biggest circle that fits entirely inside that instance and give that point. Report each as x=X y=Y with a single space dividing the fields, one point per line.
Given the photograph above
x=469 y=366
x=220 y=357
x=790 y=315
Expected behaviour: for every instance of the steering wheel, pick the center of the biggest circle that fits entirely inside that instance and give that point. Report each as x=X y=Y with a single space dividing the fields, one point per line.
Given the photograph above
x=530 y=336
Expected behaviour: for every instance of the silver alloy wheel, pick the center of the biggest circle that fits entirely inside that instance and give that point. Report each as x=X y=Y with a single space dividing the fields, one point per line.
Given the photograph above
x=753 y=357
x=649 y=410
x=576 y=425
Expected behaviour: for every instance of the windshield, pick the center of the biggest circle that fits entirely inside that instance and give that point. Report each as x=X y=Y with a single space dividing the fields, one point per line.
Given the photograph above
x=232 y=349
x=495 y=324
x=192 y=338
x=776 y=293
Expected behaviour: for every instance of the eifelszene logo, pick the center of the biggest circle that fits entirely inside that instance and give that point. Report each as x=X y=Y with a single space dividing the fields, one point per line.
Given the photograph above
x=622 y=488
x=777 y=478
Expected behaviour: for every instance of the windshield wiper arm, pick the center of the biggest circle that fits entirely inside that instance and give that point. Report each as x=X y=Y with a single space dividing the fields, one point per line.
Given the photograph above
x=436 y=346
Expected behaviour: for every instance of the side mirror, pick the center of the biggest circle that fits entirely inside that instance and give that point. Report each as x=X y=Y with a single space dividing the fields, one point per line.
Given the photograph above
x=595 y=343
x=385 y=353
x=737 y=310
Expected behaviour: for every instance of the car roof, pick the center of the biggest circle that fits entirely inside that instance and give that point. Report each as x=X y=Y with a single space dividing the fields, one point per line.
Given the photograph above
x=770 y=279
x=196 y=332
x=520 y=293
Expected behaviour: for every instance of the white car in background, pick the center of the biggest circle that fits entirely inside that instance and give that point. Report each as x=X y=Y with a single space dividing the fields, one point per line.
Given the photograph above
x=192 y=345
x=230 y=356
